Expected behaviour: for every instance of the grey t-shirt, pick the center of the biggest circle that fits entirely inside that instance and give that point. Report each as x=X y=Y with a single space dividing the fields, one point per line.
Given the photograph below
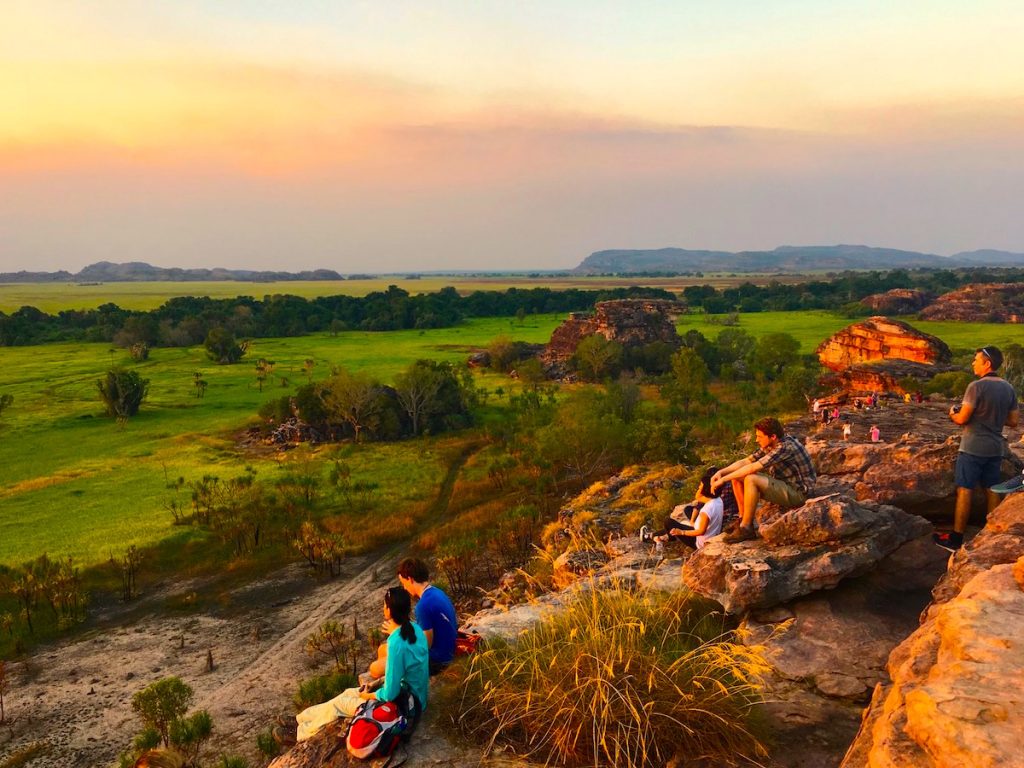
x=992 y=399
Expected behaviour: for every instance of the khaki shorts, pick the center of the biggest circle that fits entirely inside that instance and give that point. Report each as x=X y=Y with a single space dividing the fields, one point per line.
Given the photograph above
x=783 y=494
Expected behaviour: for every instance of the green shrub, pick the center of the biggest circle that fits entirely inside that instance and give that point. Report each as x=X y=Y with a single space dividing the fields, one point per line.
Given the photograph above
x=322 y=688
x=267 y=744
x=620 y=678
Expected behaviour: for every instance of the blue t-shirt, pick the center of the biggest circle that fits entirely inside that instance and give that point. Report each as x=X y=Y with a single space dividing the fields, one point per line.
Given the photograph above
x=435 y=611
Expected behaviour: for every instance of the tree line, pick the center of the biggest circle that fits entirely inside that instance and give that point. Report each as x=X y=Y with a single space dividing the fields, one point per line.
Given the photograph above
x=189 y=320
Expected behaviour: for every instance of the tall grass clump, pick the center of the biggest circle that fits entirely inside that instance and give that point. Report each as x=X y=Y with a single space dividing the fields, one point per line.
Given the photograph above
x=621 y=677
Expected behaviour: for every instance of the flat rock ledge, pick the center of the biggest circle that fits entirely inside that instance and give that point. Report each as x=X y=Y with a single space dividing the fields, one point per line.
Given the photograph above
x=955 y=695
x=801 y=551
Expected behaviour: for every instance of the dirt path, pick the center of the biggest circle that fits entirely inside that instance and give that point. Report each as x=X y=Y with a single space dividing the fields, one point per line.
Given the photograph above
x=74 y=696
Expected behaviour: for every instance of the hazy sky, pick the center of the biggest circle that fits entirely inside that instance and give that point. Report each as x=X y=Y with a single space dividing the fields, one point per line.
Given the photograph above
x=389 y=136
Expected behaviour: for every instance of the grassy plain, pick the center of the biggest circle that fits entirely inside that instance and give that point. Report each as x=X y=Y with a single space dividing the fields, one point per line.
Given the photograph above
x=53 y=297
x=72 y=483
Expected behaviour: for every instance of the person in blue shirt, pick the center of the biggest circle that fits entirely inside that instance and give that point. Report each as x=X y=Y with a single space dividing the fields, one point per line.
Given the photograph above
x=407 y=663
x=435 y=613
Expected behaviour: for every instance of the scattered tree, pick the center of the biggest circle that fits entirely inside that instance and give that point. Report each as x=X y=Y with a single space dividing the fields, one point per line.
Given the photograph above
x=5 y=402
x=122 y=392
x=351 y=398
x=161 y=704
x=689 y=379
x=199 y=384
x=223 y=348
x=597 y=357
x=264 y=368
x=5 y=684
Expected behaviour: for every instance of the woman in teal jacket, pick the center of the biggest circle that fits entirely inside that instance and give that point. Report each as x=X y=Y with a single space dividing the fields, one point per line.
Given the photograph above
x=408 y=659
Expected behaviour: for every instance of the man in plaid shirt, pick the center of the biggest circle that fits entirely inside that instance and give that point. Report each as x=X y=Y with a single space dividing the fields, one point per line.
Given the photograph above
x=779 y=471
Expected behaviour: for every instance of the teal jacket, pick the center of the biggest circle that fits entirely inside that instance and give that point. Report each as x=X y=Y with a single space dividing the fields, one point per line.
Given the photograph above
x=407 y=663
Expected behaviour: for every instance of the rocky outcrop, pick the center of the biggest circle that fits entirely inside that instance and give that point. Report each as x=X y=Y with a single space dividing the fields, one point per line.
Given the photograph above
x=630 y=322
x=898 y=301
x=879 y=338
x=980 y=303
x=886 y=376
x=801 y=551
x=955 y=696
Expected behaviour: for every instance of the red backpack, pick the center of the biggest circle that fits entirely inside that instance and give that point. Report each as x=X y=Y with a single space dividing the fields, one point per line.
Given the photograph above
x=375 y=730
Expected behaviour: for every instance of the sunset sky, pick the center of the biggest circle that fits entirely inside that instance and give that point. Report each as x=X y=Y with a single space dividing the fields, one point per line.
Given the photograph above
x=396 y=136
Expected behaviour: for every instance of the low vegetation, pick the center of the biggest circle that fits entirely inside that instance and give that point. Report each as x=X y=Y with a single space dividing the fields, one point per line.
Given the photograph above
x=625 y=678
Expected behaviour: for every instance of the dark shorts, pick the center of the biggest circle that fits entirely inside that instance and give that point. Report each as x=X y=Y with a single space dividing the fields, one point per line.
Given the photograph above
x=972 y=471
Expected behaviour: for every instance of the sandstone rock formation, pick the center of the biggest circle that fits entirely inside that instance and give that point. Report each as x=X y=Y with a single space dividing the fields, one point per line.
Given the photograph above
x=879 y=338
x=801 y=551
x=885 y=376
x=898 y=301
x=980 y=303
x=630 y=322
x=956 y=690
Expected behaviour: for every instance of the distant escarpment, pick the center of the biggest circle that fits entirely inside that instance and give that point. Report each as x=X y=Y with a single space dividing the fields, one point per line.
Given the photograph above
x=785 y=258
x=980 y=303
x=138 y=271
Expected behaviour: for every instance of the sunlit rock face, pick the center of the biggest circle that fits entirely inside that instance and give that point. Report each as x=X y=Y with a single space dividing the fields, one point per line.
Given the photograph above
x=980 y=303
x=955 y=696
x=879 y=338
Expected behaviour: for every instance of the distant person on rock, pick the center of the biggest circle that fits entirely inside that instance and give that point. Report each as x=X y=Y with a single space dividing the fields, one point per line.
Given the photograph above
x=847 y=431
x=989 y=404
x=876 y=433
x=694 y=523
x=434 y=612
x=779 y=471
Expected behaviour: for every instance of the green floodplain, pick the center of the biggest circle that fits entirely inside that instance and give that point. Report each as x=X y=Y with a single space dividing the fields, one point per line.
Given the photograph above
x=73 y=483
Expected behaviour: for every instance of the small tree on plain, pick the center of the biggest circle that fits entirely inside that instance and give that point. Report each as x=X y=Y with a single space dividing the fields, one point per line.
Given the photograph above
x=122 y=392
x=5 y=683
x=159 y=705
x=222 y=347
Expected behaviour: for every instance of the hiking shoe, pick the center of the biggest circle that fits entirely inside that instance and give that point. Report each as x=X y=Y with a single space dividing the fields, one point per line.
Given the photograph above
x=951 y=541
x=740 y=534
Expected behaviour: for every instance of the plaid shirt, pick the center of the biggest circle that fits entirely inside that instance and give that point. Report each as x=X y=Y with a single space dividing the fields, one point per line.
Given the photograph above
x=789 y=462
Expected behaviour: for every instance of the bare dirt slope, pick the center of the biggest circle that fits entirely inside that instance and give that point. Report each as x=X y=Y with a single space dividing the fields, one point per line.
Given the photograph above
x=75 y=696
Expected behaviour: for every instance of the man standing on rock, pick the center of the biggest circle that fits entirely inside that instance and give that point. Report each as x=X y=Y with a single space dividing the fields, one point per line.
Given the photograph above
x=989 y=404
x=434 y=612
x=779 y=471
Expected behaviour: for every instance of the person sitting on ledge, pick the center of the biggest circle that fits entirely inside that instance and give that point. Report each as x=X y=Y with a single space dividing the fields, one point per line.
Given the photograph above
x=694 y=523
x=779 y=471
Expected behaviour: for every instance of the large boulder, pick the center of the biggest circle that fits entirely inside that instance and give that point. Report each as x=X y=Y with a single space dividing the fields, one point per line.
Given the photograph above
x=886 y=376
x=630 y=322
x=898 y=301
x=955 y=695
x=980 y=303
x=801 y=551
x=879 y=338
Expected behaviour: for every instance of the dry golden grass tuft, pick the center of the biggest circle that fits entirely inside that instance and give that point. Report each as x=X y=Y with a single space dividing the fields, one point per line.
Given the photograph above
x=621 y=677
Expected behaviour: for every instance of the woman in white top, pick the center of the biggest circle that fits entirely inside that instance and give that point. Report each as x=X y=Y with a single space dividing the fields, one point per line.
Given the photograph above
x=693 y=524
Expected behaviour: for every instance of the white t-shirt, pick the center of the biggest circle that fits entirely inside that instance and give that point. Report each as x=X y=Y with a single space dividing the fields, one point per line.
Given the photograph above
x=713 y=510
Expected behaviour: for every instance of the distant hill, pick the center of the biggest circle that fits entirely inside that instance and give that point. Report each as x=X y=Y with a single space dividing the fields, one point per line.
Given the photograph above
x=138 y=272
x=991 y=258
x=786 y=258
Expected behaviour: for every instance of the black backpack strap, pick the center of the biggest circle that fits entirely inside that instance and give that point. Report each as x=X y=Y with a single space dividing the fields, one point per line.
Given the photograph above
x=405 y=755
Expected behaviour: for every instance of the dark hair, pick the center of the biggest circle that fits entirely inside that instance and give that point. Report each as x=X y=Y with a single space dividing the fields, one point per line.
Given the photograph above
x=993 y=354
x=770 y=426
x=705 y=483
x=415 y=569
x=400 y=607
